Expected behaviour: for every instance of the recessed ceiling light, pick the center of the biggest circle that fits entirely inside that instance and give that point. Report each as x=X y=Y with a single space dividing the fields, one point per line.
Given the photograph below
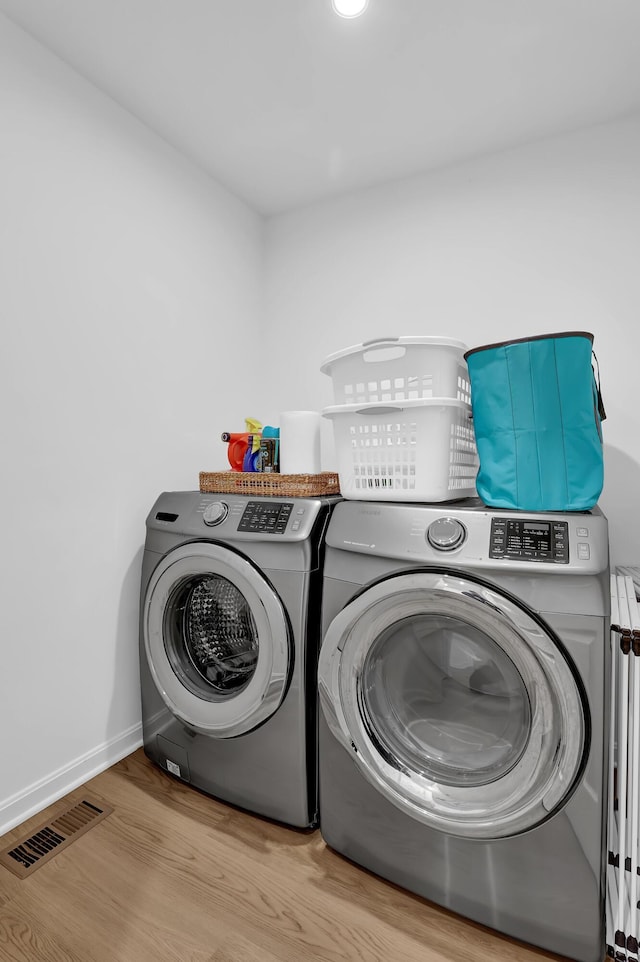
x=349 y=8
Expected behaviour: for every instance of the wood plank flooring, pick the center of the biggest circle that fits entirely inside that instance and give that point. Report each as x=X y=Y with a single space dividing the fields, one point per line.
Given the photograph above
x=174 y=876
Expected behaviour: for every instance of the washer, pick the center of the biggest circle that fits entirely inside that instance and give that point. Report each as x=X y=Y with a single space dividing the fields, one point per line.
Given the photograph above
x=229 y=637
x=463 y=681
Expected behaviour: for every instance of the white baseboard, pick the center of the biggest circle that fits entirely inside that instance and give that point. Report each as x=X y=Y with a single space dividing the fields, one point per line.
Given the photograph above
x=22 y=805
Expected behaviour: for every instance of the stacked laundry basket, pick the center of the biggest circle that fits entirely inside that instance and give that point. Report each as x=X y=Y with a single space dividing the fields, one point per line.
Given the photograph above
x=402 y=420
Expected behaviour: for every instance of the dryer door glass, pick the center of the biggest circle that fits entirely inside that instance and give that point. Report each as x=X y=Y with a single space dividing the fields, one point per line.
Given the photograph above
x=456 y=703
x=441 y=697
x=217 y=639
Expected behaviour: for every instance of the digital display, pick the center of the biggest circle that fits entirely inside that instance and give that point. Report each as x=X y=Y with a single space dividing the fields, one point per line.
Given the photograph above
x=529 y=534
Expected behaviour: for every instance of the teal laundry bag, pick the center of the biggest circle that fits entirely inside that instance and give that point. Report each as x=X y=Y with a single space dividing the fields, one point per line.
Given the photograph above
x=537 y=413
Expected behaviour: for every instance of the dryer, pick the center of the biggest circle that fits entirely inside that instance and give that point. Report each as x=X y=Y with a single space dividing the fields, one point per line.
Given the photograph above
x=463 y=691
x=229 y=637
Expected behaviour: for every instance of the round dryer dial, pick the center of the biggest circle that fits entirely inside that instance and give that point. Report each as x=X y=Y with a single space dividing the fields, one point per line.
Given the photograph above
x=215 y=513
x=445 y=534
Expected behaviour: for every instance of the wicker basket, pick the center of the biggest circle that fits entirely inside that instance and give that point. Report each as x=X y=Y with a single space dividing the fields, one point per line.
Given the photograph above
x=278 y=485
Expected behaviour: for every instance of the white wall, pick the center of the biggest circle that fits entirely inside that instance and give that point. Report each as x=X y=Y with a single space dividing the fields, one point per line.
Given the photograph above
x=130 y=290
x=133 y=308
x=539 y=239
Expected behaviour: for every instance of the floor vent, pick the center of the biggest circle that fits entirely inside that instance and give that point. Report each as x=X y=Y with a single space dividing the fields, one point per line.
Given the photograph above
x=24 y=857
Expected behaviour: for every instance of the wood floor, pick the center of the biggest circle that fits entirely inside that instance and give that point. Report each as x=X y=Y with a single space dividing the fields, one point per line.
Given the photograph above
x=173 y=876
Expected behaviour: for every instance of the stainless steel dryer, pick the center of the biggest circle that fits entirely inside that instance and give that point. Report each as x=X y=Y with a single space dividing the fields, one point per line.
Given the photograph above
x=463 y=691
x=229 y=637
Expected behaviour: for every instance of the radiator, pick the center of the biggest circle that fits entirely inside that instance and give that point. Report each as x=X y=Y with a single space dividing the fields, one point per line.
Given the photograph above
x=623 y=863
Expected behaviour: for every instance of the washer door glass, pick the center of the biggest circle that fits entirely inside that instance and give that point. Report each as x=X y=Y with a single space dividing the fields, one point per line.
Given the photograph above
x=217 y=639
x=455 y=702
x=210 y=636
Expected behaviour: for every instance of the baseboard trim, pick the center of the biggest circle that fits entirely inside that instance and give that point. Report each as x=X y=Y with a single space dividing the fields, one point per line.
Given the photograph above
x=21 y=806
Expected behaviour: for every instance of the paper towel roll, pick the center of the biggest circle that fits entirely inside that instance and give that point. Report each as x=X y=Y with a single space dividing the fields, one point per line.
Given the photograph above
x=300 y=442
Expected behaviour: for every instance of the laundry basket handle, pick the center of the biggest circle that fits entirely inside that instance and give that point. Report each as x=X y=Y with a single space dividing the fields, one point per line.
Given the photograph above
x=382 y=349
x=381 y=340
x=381 y=409
x=596 y=376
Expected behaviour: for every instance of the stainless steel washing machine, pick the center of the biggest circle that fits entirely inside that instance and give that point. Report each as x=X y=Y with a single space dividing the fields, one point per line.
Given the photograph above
x=229 y=637
x=463 y=691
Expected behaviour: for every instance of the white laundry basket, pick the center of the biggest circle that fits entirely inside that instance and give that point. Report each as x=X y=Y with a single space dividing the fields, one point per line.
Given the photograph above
x=399 y=369
x=414 y=450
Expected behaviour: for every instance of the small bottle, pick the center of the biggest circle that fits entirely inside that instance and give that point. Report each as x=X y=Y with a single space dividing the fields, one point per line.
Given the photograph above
x=251 y=460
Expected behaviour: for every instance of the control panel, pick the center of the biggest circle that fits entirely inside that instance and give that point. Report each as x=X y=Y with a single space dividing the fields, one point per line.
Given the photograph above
x=529 y=540
x=266 y=517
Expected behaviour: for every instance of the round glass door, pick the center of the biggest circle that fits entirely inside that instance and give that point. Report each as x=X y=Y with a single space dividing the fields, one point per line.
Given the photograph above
x=210 y=636
x=442 y=698
x=455 y=703
x=217 y=639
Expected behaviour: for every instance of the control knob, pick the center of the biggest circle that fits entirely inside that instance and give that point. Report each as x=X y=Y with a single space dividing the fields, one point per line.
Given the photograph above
x=445 y=534
x=215 y=513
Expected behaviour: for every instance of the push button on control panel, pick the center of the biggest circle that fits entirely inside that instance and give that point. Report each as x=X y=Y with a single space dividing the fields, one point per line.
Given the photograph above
x=297 y=519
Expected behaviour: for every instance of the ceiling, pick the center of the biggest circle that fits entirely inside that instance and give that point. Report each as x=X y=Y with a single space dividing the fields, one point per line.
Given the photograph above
x=285 y=103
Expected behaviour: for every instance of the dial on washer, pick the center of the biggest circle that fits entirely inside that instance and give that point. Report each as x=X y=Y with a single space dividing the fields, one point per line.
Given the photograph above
x=215 y=513
x=445 y=534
